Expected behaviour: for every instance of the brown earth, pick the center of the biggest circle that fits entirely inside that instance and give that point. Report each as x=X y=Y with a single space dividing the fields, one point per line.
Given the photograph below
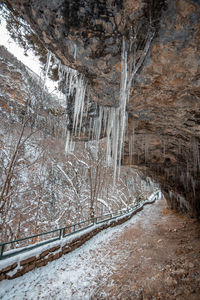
x=157 y=257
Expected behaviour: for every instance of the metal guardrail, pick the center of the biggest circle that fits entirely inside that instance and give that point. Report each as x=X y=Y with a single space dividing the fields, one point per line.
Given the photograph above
x=69 y=230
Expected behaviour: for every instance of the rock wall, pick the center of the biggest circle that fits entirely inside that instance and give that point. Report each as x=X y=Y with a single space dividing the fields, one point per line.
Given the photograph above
x=164 y=105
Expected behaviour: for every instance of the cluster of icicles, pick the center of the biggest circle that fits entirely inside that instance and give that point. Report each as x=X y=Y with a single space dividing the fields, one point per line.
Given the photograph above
x=112 y=121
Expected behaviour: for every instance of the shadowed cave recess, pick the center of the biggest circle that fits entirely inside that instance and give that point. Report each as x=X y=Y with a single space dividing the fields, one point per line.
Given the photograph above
x=138 y=63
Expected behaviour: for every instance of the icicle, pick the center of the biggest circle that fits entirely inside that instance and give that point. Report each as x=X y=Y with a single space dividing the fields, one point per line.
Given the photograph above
x=148 y=40
x=90 y=128
x=131 y=148
x=88 y=101
x=79 y=104
x=115 y=141
x=75 y=51
x=70 y=144
x=123 y=100
x=98 y=124
x=113 y=120
x=67 y=144
x=49 y=55
x=105 y=119
x=75 y=86
x=109 y=129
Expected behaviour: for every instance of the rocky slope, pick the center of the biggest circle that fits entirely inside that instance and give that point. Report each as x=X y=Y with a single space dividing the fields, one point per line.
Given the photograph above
x=164 y=104
x=22 y=93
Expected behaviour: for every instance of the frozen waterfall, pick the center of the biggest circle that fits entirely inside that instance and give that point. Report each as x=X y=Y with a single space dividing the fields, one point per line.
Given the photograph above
x=108 y=121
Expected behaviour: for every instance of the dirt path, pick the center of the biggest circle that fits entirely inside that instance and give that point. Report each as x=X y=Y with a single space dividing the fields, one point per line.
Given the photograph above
x=155 y=255
x=159 y=258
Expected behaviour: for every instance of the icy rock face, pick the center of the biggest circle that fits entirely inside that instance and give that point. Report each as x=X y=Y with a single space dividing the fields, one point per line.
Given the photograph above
x=87 y=36
x=163 y=133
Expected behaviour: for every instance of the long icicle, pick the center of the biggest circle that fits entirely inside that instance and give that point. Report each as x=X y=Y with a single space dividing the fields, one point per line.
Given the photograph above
x=47 y=66
x=123 y=100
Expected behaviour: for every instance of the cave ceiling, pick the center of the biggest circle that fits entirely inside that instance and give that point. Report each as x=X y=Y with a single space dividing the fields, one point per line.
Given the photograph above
x=164 y=102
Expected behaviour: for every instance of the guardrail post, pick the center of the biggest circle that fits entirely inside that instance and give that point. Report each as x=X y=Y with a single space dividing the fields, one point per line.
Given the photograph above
x=60 y=233
x=95 y=221
x=2 y=249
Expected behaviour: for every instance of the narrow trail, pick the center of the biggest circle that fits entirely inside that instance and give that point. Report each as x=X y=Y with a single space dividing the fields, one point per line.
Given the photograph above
x=155 y=255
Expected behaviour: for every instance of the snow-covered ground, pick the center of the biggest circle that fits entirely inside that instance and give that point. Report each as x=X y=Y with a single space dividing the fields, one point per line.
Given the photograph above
x=74 y=276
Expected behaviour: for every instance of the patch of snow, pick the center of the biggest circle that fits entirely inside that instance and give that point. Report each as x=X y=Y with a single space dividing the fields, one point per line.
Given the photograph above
x=74 y=276
x=37 y=251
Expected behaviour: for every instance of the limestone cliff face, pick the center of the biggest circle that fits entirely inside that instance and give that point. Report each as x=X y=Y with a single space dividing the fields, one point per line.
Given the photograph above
x=164 y=105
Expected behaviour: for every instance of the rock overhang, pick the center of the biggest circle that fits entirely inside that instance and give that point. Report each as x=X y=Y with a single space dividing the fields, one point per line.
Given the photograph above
x=164 y=102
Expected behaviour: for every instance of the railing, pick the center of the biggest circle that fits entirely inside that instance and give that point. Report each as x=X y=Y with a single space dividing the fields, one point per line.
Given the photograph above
x=60 y=233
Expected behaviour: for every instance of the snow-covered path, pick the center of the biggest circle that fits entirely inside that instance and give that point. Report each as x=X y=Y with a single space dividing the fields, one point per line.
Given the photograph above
x=155 y=255
x=73 y=276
